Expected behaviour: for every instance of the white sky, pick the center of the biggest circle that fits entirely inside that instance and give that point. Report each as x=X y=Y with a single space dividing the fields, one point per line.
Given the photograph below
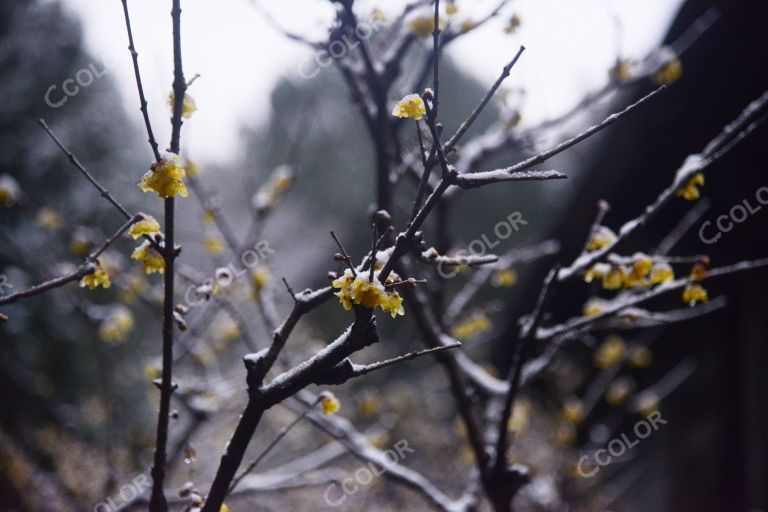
x=570 y=45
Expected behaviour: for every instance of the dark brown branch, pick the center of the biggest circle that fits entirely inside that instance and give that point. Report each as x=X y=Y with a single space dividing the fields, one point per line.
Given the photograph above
x=89 y=267
x=157 y=502
x=693 y=164
x=280 y=435
x=466 y=125
x=139 y=85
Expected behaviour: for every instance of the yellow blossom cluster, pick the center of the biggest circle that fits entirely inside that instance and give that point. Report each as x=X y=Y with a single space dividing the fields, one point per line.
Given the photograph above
x=411 y=107
x=165 y=178
x=361 y=290
x=694 y=293
x=150 y=258
x=601 y=238
x=98 y=278
x=641 y=271
x=147 y=226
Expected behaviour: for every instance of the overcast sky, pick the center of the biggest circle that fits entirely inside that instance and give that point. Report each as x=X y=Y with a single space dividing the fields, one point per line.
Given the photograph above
x=570 y=45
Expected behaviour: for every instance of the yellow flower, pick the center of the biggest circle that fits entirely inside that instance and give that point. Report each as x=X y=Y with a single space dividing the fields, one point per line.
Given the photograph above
x=369 y=405
x=472 y=326
x=609 y=353
x=521 y=414
x=393 y=304
x=81 y=242
x=514 y=23
x=98 y=278
x=622 y=71
x=597 y=271
x=213 y=245
x=641 y=267
x=669 y=72
x=188 y=106
x=603 y=237
x=378 y=16
x=411 y=106
x=467 y=25
x=147 y=226
x=226 y=329
x=647 y=403
x=423 y=26
x=619 y=390
x=224 y=508
x=641 y=264
x=152 y=370
x=565 y=434
x=694 y=293
x=639 y=356
x=116 y=326
x=451 y=9
x=615 y=278
x=662 y=273
x=691 y=191
x=359 y=290
x=573 y=410
x=344 y=283
x=9 y=190
x=135 y=286
x=504 y=278
x=192 y=169
x=208 y=217
x=329 y=403
x=165 y=178
x=594 y=307
x=271 y=193
x=260 y=277
x=152 y=260
x=48 y=219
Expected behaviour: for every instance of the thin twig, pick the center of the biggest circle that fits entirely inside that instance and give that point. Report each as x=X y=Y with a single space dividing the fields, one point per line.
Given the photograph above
x=139 y=85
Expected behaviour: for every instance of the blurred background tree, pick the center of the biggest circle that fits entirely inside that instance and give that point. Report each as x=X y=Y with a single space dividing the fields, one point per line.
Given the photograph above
x=67 y=396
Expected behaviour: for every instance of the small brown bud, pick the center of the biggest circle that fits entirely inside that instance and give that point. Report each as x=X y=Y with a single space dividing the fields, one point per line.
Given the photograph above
x=383 y=215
